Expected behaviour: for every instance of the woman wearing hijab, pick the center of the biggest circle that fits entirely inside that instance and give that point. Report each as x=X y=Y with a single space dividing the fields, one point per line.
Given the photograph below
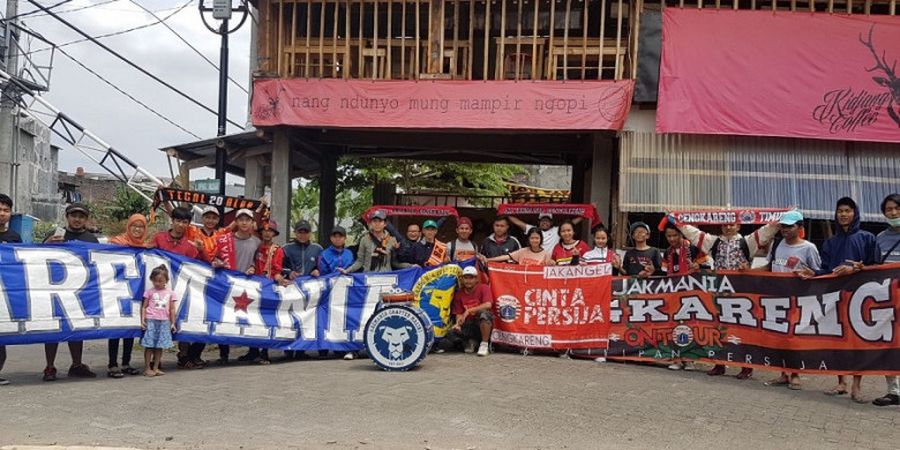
x=135 y=235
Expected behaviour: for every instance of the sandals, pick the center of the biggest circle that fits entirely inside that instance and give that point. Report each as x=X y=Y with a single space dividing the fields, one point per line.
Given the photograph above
x=114 y=372
x=262 y=361
x=128 y=370
x=49 y=374
x=81 y=371
x=857 y=398
x=780 y=381
x=794 y=385
x=836 y=391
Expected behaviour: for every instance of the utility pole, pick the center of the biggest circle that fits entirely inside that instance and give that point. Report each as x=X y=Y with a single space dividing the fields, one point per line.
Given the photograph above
x=8 y=122
x=222 y=10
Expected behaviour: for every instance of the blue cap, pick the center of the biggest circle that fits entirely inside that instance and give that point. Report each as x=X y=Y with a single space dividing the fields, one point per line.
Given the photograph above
x=791 y=218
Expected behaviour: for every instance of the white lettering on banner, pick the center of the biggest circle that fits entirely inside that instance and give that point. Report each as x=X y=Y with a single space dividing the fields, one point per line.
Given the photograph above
x=615 y=311
x=736 y=306
x=113 y=290
x=242 y=302
x=587 y=271
x=559 y=307
x=375 y=286
x=522 y=339
x=776 y=310
x=670 y=285
x=337 y=309
x=189 y=285
x=297 y=304
x=6 y=323
x=692 y=308
x=42 y=290
x=819 y=317
x=882 y=329
x=641 y=310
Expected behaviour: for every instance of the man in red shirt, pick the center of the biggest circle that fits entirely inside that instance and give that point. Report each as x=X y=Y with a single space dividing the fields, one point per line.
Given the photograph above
x=175 y=240
x=472 y=310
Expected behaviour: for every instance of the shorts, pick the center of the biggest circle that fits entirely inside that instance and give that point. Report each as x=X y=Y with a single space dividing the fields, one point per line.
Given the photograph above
x=158 y=334
x=471 y=329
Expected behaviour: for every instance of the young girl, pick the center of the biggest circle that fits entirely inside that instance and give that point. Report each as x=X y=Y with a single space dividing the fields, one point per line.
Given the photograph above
x=681 y=257
x=569 y=250
x=157 y=321
x=602 y=252
x=534 y=254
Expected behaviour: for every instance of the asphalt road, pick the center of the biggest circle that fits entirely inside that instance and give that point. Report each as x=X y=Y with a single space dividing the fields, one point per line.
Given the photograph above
x=451 y=401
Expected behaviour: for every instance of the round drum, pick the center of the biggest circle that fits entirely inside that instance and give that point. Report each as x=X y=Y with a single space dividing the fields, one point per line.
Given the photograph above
x=398 y=337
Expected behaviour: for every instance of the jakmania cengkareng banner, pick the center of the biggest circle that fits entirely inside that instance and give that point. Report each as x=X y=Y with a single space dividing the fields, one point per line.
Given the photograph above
x=78 y=291
x=837 y=325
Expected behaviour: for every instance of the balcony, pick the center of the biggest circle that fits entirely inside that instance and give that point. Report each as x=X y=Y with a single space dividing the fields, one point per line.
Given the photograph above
x=448 y=39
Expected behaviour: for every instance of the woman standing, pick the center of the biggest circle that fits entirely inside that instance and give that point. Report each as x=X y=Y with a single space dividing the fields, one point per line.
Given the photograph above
x=135 y=235
x=534 y=254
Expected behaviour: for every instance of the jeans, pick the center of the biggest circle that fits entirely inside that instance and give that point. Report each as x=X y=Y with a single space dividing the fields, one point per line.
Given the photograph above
x=893 y=384
x=113 y=349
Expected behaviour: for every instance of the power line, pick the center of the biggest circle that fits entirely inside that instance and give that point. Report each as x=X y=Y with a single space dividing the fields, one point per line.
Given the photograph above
x=185 y=41
x=66 y=11
x=131 y=97
x=117 y=33
x=117 y=88
x=129 y=62
x=34 y=11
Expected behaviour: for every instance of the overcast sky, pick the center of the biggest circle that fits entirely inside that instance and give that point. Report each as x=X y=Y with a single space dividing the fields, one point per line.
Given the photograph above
x=116 y=119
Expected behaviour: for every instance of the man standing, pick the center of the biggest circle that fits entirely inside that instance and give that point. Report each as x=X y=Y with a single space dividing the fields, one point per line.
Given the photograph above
x=435 y=250
x=499 y=242
x=889 y=247
x=548 y=230
x=77 y=216
x=412 y=247
x=302 y=256
x=463 y=249
x=376 y=248
x=471 y=308
x=792 y=254
x=237 y=251
x=7 y=236
x=336 y=256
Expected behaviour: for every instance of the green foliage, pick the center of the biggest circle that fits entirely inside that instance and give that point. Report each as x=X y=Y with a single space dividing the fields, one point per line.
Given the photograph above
x=357 y=176
x=124 y=203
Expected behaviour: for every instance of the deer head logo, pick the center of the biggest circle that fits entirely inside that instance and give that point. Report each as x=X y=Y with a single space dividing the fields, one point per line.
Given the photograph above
x=890 y=80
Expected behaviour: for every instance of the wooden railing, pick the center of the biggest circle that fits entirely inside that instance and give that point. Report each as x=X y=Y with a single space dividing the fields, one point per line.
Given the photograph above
x=448 y=39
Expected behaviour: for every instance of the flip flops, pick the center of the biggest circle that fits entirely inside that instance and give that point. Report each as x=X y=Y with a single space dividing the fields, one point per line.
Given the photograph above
x=836 y=391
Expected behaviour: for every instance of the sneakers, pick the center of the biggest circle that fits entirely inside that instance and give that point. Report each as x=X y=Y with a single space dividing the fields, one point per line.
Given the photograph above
x=600 y=359
x=3 y=381
x=483 y=349
x=676 y=366
x=349 y=356
x=81 y=371
x=716 y=371
x=745 y=374
x=887 y=400
x=470 y=346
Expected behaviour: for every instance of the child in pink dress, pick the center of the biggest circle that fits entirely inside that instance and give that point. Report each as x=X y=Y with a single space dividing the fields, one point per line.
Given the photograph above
x=157 y=321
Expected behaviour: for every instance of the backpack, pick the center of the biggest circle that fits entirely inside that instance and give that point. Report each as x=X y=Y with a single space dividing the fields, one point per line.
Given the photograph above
x=452 y=250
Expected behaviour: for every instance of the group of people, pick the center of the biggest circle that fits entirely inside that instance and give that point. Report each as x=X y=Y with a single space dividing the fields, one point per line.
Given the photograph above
x=243 y=246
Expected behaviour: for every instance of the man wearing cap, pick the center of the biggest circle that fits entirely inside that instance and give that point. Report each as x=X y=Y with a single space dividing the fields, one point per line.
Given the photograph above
x=435 y=251
x=336 y=256
x=376 y=248
x=237 y=251
x=545 y=224
x=204 y=238
x=77 y=216
x=792 y=253
x=301 y=256
x=471 y=308
x=463 y=249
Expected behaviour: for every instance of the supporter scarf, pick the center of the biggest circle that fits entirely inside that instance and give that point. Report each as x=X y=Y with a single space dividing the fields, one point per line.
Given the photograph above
x=585 y=210
x=438 y=254
x=226 y=251
x=684 y=261
x=167 y=195
x=417 y=211
x=724 y=217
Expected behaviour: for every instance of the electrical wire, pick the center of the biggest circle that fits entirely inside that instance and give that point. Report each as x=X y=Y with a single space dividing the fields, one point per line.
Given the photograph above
x=185 y=41
x=25 y=14
x=131 y=63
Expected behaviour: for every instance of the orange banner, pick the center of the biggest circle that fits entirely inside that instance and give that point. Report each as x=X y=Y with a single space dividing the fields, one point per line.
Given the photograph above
x=551 y=307
x=839 y=325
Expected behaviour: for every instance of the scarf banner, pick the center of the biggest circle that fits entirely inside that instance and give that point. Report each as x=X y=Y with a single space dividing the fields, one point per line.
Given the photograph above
x=780 y=73
x=836 y=325
x=415 y=211
x=202 y=198
x=78 y=291
x=551 y=307
x=724 y=217
x=494 y=105
x=586 y=210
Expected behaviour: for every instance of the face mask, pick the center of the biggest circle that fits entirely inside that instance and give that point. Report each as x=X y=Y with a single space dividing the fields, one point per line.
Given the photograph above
x=894 y=223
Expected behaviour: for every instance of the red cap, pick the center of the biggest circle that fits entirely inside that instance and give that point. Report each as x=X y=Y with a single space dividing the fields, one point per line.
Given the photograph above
x=464 y=221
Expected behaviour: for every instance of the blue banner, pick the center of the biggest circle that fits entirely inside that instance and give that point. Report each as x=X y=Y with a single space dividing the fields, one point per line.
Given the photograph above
x=79 y=291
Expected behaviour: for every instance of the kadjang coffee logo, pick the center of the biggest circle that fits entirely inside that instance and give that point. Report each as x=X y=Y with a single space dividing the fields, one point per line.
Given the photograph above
x=846 y=110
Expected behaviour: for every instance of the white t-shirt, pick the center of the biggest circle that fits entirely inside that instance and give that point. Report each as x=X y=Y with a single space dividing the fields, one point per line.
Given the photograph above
x=551 y=238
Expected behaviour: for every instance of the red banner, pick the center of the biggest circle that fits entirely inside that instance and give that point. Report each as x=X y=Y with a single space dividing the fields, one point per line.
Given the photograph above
x=539 y=105
x=586 y=210
x=412 y=211
x=768 y=73
x=552 y=307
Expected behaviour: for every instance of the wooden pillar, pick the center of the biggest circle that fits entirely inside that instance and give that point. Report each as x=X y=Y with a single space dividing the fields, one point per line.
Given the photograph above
x=436 y=37
x=281 y=183
x=327 y=194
